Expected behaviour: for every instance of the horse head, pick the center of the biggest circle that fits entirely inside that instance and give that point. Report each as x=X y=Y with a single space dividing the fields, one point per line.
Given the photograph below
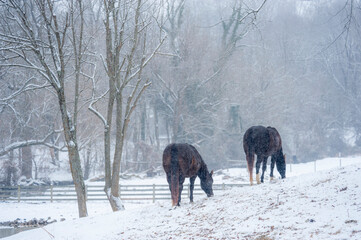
x=281 y=164
x=207 y=183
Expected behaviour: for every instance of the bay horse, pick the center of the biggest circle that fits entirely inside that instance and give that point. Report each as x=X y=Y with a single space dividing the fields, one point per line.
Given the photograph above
x=180 y=161
x=263 y=142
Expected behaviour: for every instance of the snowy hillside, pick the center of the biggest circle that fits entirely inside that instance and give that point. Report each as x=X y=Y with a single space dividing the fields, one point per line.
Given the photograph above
x=325 y=205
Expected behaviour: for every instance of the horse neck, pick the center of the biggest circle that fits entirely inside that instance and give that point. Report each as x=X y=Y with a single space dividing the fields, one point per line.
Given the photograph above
x=203 y=171
x=279 y=154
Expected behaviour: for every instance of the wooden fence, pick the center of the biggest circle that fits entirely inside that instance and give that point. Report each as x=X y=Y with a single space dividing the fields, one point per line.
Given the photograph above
x=132 y=193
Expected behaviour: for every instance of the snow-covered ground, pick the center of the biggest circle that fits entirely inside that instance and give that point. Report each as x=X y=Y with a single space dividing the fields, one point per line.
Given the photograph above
x=305 y=205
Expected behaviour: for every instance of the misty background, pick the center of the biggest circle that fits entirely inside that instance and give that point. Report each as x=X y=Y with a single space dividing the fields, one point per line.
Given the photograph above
x=222 y=67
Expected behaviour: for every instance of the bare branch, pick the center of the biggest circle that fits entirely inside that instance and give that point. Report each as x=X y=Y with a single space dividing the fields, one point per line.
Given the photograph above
x=17 y=145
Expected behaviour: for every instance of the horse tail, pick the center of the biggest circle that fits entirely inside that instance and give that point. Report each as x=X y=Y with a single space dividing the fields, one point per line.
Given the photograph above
x=249 y=151
x=174 y=170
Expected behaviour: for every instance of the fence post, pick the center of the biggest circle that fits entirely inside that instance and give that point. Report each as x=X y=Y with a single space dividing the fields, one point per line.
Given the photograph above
x=339 y=155
x=153 y=193
x=223 y=186
x=51 y=193
x=18 y=193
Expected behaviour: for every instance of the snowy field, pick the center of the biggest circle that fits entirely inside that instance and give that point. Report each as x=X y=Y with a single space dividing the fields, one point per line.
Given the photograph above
x=305 y=205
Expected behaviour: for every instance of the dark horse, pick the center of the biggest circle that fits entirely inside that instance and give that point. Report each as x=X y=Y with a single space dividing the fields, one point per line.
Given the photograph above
x=181 y=160
x=263 y=142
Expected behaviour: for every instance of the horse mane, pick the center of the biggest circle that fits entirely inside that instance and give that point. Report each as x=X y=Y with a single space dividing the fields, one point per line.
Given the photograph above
x=203 y=171
x=279 y=154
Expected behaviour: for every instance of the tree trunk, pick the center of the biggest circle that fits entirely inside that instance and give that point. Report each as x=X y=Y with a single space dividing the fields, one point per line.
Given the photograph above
x=143 y=122
x=54 y=153
x=115 y=201
x=27 y=162
x=136 y=147
x=10 y=170
x=73 y=154
x=156 y=126
x=77 y=174
x=121 y=72
x=87 y=161
x=107 y=134
x=35 y=170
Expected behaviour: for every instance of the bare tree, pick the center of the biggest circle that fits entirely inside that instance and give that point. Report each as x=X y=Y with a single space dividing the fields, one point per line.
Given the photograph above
x=191 y=84
x=341 y=60
x=39 y=43
x=126 y=27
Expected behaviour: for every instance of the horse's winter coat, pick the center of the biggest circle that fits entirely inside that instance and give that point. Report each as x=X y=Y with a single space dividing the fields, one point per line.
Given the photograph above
x=263 y=142
x=182 y=160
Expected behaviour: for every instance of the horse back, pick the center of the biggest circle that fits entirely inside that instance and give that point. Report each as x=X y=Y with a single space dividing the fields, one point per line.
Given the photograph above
x=189 y=159
x=256 y=140
x=260 y=140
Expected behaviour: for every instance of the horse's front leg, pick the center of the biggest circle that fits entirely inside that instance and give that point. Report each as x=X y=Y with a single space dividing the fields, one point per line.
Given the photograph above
x=264 y=167
x=273 y=161
x=181 y=181
x=191 y=180
x=258 y=165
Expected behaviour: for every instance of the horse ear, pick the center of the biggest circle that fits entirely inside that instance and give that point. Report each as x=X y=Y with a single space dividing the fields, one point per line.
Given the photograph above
x=211 y=172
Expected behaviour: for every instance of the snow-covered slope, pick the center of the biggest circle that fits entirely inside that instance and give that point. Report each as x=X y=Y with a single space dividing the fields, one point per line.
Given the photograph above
x=322 y=205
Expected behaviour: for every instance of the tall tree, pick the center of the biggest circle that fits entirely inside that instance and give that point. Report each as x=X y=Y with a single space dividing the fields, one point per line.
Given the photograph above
x=127 y=24
x=192 y=83
x=341 y=59
x=40 y=43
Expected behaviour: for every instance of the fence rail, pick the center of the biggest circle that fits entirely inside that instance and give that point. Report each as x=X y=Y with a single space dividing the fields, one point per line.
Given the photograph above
x=52 y=193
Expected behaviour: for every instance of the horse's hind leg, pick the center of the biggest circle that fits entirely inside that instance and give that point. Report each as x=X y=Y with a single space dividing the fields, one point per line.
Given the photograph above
x=258 y=165
x=250 y=162
x=273 y=161
x=191 y=180
x=181 y=181
x=169 y=181
x=264 y=167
